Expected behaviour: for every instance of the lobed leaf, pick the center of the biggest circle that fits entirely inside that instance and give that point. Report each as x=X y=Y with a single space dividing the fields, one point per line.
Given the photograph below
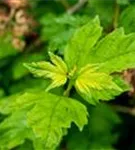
x=14 y=130
x=115 y=52
x=99 y=134
x=57 y=30
x=93 y=85
x=56 y=71
x=80 y=45
x=48 y=115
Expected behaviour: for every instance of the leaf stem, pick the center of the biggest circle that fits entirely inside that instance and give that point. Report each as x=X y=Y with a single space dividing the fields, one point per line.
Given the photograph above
x=69 y=87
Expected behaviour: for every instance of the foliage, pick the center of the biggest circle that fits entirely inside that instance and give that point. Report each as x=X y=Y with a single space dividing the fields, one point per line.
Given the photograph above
x=127 y=19
x=60 y=69
x=95 y=136
x=58 y=30
x=58 y=116
x=5 y=44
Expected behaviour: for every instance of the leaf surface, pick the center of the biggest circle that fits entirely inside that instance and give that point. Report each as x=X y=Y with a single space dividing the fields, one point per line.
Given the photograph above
x=93 y=85
x=56 y=71
x=48 y=115
x=99 y=134
x=14 y=130
x=80 y=45
x=127 y=19
x=115 y=52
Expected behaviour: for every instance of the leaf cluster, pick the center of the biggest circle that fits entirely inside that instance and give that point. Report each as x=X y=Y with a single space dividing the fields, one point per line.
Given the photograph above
x=54 y=94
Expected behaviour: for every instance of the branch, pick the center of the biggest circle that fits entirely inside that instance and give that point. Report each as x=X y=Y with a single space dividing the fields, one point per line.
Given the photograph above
x=76 y=7
x=124 y=109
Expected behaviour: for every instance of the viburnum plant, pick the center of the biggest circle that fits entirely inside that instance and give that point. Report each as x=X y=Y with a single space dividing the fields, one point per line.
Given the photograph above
x=89 y=68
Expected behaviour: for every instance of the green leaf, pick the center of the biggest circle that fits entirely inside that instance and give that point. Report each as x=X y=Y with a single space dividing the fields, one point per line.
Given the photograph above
x=94 y=85
x=104 y=9
x=27 y=145
x=29 y=84
x=18 y=69
x=56 y=71
x=127 y=19
x=57 y=30
x=58 y=62
x=6 y=48
x=121 y=83
x=115 y=52
x=2 y=92
x=48 y=115
x=93 y=81
x=123 y=2
x=80 y=45
x=14 y=130
x=99 y=134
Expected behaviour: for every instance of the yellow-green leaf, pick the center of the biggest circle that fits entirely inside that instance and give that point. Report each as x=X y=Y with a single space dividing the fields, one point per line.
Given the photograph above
x=94 y=85
x=56 y=71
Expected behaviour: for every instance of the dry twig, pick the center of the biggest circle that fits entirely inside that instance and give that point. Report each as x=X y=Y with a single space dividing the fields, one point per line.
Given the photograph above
x=77 y=6
x=124 y=109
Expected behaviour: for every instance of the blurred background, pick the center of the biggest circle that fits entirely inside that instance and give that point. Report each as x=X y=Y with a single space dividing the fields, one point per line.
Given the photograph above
x=31 y=28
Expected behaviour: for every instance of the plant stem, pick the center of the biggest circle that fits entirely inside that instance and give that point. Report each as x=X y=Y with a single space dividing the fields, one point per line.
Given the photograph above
x=116 y=15
x=76 y=7
x=69 y=87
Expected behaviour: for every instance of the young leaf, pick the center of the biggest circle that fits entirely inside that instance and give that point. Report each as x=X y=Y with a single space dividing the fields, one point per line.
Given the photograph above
x=115 y=52
x=80 y=45
x=58 y=62
x=94 y=82
x=56 y=71
x=94 y=85
x=48 y=115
